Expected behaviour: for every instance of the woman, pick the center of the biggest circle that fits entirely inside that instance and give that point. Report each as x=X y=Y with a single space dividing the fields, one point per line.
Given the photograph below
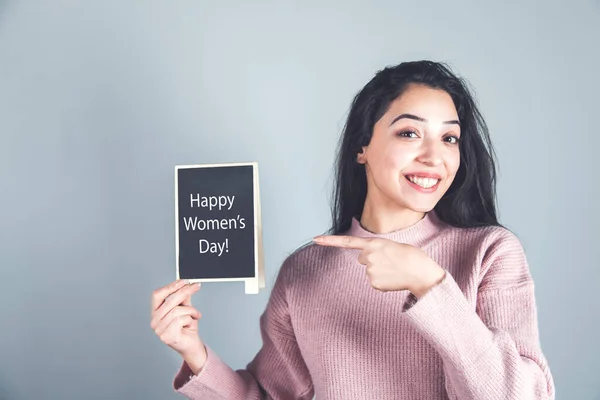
x=417 y=293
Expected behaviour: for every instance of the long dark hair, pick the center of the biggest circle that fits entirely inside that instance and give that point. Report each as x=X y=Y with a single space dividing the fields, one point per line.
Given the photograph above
x=471 y=199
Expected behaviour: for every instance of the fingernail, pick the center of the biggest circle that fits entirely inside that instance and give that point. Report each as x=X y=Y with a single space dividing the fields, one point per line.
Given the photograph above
x=318 y=239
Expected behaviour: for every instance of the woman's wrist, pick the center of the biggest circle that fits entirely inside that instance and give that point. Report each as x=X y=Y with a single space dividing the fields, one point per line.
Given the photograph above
x=432 y=276
x=196 y=359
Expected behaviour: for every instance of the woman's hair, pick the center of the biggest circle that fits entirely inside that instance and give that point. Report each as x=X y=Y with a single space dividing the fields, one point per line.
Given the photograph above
x=471 y=199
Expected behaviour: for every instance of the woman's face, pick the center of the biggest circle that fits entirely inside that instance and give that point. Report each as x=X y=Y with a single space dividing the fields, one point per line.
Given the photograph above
x=413 y=155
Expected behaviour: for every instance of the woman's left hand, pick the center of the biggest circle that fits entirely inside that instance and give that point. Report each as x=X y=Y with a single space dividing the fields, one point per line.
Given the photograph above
x=391 y=266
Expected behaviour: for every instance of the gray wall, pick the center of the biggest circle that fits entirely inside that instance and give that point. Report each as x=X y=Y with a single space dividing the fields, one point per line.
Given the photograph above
x=100 y=99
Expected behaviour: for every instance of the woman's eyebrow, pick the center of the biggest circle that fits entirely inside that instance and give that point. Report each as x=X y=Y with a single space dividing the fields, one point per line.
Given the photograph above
x=411 y=116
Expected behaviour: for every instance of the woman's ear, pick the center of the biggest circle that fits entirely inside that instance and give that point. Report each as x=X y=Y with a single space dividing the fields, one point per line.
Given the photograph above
x=361 y=157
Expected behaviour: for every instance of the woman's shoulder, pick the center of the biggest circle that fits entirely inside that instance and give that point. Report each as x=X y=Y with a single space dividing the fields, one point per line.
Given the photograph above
x=486 y=238
x=499 y=252
x=310 y=260
x=310 y=253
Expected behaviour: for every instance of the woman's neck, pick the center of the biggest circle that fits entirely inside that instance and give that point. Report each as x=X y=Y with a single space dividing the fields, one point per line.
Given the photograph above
x=385 y=218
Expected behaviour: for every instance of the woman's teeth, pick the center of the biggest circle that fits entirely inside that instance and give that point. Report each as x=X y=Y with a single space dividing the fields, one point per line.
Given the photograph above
x=423 y=182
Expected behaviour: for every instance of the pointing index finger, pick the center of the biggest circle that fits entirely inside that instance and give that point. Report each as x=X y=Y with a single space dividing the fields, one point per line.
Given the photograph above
x=350 y=242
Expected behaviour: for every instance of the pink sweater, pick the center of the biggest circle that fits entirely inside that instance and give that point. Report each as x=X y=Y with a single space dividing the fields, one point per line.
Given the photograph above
x=327 y=333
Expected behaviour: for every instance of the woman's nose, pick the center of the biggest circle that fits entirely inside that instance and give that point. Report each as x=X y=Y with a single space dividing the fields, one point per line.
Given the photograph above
x=431 y=154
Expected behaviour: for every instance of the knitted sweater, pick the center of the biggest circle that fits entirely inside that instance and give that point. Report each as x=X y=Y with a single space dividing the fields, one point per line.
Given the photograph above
x=328 y=333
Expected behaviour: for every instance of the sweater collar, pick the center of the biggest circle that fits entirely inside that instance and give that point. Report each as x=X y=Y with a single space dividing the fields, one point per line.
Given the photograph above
x=417 y=234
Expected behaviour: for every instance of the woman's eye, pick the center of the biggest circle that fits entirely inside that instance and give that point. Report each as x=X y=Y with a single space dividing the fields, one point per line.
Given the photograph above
x=452 y=139
x=408 y=134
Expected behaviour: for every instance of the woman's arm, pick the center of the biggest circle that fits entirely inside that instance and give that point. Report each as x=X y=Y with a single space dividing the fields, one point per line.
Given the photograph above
x=491 y=352
x=277 y=371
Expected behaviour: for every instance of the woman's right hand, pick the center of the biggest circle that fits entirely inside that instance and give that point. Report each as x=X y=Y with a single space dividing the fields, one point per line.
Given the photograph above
x=175 y=321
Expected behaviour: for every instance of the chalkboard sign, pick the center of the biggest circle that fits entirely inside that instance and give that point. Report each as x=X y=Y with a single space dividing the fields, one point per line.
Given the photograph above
x=218 y=224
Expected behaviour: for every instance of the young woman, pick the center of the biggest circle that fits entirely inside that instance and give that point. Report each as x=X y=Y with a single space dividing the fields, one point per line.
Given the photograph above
x=417 y=292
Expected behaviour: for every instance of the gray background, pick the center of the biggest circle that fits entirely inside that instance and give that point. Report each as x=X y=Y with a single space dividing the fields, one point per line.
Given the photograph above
x=100 y=99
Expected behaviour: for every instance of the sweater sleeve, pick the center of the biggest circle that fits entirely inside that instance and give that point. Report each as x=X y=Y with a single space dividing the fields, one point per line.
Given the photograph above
x=490 y=351
x=277 y=371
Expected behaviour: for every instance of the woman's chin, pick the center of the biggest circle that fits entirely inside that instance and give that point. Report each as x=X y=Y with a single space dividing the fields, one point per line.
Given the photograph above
x=420 y=201
x=422 y=209
x=420 y=206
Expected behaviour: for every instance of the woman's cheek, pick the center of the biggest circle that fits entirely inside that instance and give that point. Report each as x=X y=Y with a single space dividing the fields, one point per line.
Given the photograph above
x=455 y=162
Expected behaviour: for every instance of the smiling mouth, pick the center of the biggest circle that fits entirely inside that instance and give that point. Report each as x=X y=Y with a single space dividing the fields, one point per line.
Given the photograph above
x=423 y=182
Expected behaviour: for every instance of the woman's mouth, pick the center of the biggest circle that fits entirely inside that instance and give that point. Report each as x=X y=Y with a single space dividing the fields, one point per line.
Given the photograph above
x=423 y=183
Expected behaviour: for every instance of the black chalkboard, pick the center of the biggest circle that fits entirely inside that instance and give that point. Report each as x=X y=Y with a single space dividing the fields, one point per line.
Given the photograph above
x=218 y=224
